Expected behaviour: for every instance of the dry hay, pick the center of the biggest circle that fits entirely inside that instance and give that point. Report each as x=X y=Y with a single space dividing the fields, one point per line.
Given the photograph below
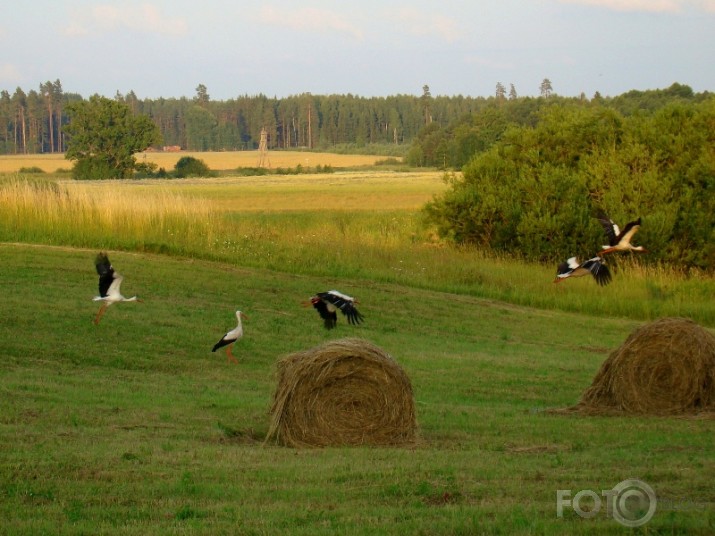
x=344 y=392
x=666 y=367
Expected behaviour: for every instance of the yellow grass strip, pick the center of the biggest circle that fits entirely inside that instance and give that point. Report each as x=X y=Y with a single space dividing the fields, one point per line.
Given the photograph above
x=370 y=190
x=49 y=163
x=214 y=160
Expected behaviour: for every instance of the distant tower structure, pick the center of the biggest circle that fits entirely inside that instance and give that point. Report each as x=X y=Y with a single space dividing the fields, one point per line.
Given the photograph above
x=263 y=160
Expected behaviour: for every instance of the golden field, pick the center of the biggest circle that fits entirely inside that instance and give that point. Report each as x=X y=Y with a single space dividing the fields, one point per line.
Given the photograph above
x=214 y=160
x=349 y=190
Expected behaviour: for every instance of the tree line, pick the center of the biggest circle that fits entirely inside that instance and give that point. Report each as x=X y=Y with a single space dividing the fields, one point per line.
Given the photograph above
x=445 y=129
x=452 y=145
x=33 y=122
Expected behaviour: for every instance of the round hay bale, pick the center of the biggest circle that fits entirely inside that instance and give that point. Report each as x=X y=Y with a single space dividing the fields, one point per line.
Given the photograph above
x=666 y=367
x=343 y=392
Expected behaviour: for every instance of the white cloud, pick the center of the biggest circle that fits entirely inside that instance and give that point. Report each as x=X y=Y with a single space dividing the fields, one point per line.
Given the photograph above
x=144 y=18
x=310 y=20
x=421 y=23
x=653 y=6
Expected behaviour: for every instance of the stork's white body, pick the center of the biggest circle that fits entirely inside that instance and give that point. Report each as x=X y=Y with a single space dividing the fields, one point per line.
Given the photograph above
x=114 y=295
x=109 y=286
x=231 y=337
x=620 y=241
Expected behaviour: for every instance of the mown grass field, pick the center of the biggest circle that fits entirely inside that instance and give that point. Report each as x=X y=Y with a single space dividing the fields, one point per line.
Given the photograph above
x=135 y=427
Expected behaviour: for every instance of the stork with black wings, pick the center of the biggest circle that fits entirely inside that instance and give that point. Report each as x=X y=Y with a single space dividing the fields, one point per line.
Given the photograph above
x=109 y=286
x=328 y=303
x=573 y=268
x=231 y=337
x=619 y=240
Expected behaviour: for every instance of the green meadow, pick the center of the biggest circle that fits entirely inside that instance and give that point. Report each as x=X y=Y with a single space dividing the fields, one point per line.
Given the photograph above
x=135 y=427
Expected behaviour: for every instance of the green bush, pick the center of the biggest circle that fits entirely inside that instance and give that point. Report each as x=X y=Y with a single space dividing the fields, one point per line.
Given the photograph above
x=94 y=169
x=535 y=192
x=327 y=168
x=188 y=166
x=251 y=171
x=31 y=170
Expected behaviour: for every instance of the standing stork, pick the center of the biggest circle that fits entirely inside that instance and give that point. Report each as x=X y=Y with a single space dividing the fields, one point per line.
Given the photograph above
x=230 y=337
x=594 y=266
x=619 y=240
x=109 y=283
x=327 y=304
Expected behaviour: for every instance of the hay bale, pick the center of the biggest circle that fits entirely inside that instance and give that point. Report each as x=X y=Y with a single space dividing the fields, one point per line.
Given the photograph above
x=666 y=367
x=344 y=392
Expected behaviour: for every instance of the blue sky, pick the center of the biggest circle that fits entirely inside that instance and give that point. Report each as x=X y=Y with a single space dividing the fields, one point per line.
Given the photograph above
x=160 y=48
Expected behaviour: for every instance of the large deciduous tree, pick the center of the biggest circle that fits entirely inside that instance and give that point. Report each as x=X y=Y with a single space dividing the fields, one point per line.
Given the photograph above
x=104 y=136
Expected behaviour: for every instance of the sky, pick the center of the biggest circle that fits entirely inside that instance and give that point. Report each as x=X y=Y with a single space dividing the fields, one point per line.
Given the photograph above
x=369 y=48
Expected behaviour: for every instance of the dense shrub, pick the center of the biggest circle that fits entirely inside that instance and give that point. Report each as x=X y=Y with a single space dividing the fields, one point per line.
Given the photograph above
x=251 y=171
x=188 y=166
x=95 y=168
x=535 y=191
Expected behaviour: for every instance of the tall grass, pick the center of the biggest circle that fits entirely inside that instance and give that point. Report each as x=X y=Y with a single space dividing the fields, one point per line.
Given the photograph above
x=382 y=245
x=49 y=212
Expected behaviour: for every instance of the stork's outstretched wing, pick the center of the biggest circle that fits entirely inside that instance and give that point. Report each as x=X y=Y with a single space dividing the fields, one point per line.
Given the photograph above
x=106 y=274
x=329 y=318
x=346 y=304
x=611 y=229
x=600 y=271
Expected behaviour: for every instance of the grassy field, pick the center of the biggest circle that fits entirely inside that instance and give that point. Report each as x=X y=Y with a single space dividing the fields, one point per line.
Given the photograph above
x=50 y=163
x=135 y=427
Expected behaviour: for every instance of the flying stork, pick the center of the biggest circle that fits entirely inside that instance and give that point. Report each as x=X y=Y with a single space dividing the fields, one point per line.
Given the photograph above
x=617 y=240
x=109 y=283
x=594 y=266
x=230 y=337
x=327 y=304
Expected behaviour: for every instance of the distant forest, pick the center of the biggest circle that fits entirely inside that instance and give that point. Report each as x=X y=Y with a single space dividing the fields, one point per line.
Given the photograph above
x=400 y=125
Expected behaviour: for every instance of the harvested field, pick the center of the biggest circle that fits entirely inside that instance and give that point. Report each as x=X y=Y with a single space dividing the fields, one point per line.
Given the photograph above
x=214 y=160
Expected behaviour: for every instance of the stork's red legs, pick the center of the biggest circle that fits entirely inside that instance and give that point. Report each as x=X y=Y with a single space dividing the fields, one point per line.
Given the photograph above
x=100 y=313
x=229 y=356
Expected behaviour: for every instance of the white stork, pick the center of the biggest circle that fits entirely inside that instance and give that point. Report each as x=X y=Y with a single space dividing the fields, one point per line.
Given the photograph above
x=230 y=337
x=327 y=304
x=619 y=240
x=109 y=283
x=594 y=266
